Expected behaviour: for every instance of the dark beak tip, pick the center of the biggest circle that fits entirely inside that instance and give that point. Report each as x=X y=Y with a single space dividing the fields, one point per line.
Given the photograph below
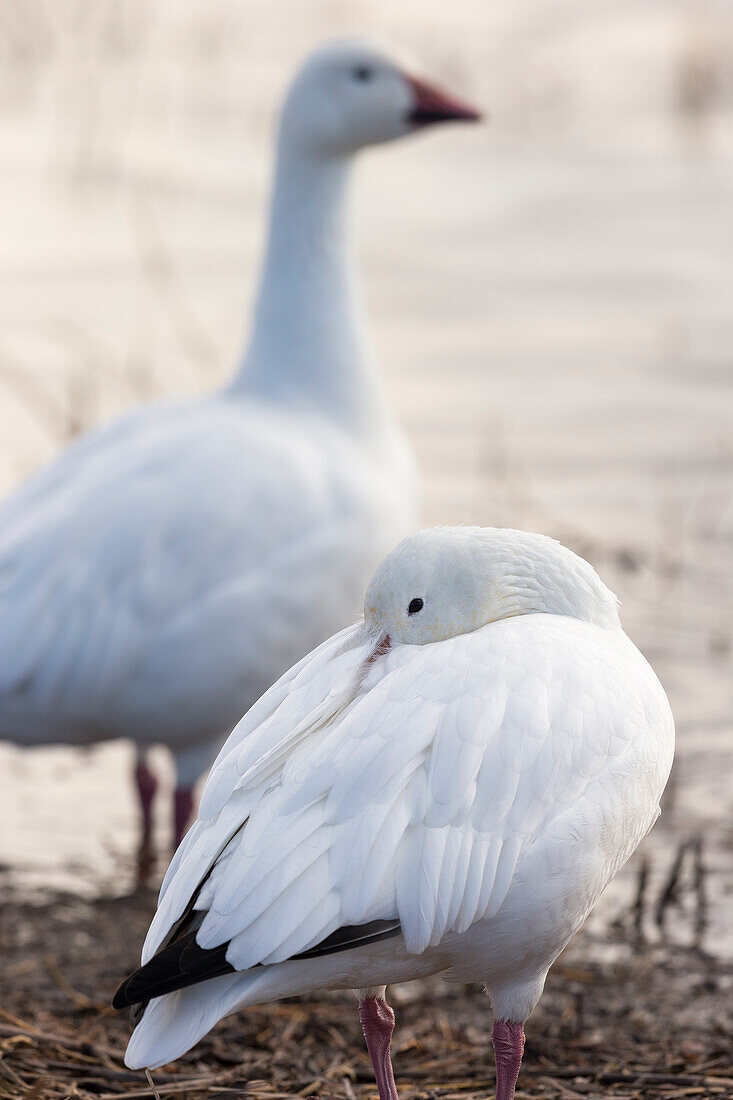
x=471 y=115
x=432 y=104
x=426 y=116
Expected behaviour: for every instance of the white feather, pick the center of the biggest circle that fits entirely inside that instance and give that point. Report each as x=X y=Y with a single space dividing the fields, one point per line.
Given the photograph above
x=482 y=789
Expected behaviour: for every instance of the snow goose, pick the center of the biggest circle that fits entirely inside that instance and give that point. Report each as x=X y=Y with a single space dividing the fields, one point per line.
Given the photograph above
x=448 y=785
x=164 y=571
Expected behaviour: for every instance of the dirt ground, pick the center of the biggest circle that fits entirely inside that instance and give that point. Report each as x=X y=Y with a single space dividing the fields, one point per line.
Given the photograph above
x=636 y=1021
x=551 y=301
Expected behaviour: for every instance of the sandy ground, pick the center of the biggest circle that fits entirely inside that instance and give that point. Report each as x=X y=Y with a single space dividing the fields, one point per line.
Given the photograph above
x=551 y=301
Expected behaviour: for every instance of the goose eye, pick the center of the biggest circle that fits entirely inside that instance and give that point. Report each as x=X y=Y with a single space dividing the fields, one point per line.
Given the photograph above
x=415 y=606
x=362 y=73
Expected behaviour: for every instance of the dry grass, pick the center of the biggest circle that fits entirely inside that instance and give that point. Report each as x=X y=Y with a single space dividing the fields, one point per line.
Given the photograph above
x=645 y=1023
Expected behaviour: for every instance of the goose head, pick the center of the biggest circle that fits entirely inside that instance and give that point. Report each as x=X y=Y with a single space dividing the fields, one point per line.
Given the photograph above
x=453 y=580
x=350 y=95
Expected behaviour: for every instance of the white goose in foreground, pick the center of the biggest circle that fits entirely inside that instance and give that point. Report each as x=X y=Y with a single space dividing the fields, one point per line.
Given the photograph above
x=448 y=785
x=164 y=571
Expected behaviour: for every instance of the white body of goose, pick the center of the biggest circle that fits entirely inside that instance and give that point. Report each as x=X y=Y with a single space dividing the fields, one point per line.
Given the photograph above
x=164 y=571
x=448 y=785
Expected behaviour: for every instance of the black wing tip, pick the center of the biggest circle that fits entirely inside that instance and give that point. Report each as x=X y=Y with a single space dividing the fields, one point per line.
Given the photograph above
x=133 y=991
x=120 y=999
x=126 y=997
x=180 y=964
x=183 y=963
x=123 y=999
x=351 y=936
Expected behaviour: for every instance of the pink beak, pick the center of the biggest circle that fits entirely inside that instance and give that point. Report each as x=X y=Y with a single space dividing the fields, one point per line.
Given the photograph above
x=432 y=104
x=382 y=647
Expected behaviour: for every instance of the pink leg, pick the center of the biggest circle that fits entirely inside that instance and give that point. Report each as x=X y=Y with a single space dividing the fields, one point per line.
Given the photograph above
x=182 y=811
x=147 y=785
x=377 y=1023
x=508 y=1040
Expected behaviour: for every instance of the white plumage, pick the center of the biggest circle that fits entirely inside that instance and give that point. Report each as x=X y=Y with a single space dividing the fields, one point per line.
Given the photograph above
x=164 y=571
x=471 y=773
x=155 y=577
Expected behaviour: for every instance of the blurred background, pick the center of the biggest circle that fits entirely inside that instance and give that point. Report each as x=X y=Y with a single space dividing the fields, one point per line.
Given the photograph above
x=550 y=297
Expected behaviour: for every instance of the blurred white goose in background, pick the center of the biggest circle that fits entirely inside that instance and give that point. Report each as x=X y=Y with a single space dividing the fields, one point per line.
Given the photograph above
x=448 y=785
x=164 y=571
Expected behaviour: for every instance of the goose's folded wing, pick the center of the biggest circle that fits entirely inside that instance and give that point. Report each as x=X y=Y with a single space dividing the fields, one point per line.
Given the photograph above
x=413 y=803
x=305 y=699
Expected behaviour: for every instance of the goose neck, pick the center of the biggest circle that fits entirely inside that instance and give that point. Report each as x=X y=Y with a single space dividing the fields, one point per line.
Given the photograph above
x=307 y=345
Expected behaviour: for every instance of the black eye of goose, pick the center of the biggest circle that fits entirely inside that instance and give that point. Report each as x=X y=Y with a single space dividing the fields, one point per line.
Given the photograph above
x=415 y=606
x=363 y=73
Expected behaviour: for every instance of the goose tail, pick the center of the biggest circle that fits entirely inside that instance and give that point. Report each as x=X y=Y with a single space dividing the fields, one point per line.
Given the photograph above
x=170 y=1025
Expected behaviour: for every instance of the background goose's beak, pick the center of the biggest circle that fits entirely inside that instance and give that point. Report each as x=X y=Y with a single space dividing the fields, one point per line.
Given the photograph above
x=432 y=104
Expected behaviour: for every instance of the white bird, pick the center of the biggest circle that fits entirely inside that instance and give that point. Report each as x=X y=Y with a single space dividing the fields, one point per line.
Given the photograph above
x=164 y=571
x=448 y=785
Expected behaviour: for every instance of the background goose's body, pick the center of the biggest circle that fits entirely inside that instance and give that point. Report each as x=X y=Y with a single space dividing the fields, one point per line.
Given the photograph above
x=164 y=571
x=139 y=601
x=455 y=792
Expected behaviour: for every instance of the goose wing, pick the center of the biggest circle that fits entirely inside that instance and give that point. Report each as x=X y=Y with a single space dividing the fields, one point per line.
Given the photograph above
x=406 y=793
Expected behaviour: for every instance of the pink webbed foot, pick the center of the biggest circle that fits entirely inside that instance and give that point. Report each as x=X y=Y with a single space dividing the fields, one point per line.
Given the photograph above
x=377 y=1023
x=182 y=813
x=508 y=1040
x=147 y=785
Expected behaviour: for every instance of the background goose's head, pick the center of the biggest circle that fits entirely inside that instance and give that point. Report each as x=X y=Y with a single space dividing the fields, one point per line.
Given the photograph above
x=452 y=580
x=349 y=95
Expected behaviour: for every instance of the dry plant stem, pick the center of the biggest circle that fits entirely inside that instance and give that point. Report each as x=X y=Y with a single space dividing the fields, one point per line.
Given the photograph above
x=640 y=900
x=670 y=893
x=152 y=1084
x=701 y=914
